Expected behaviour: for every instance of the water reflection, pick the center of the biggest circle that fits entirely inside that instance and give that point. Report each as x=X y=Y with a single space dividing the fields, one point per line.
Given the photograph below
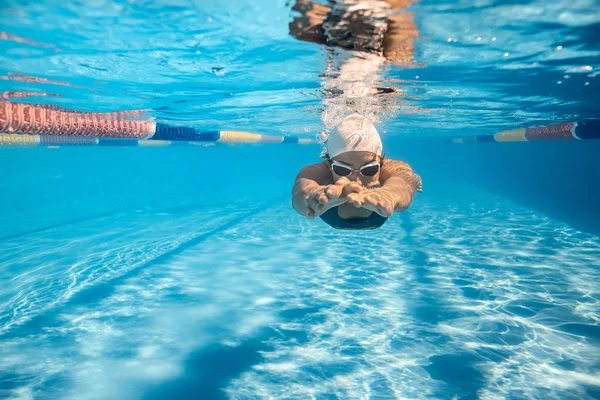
x=361 y=37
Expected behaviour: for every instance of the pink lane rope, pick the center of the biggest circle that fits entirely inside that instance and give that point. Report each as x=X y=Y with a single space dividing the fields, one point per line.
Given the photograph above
x=10 y=95
x=20 y=39
x=39 y=119
x=34 y=79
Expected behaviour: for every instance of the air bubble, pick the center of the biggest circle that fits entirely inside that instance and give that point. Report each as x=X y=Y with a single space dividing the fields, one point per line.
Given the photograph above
x=218 y=71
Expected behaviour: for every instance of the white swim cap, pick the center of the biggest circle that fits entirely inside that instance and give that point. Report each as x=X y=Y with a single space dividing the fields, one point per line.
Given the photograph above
x=355 y=133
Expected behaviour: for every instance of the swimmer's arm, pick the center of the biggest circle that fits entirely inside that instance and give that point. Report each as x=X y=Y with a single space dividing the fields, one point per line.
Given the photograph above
x=309 y=179
x=400 y=182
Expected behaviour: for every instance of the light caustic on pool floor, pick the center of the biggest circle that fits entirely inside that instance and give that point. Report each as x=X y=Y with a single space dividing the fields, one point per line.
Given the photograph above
x=482 y=299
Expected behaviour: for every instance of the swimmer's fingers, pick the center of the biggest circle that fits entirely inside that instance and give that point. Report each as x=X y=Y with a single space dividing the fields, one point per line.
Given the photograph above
x=318 y=196
x=343 y=187
x=356 y=199
x=315 y=210
x=314 y=213
x=322 y=198
x=373 y=201
x=379 y=203
x=335 y=196
x=336 y=193
x=343 y=181
x=316 y=203
x=352 y=187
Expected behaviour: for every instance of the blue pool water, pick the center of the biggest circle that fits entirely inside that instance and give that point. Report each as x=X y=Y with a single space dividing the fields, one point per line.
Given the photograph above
x=184 y=272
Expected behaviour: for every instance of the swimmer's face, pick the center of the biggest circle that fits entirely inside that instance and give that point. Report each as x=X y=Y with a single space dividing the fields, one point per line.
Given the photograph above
x=354 y=160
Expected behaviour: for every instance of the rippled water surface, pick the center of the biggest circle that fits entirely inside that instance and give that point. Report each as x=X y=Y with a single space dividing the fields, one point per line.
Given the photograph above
x=477 y=65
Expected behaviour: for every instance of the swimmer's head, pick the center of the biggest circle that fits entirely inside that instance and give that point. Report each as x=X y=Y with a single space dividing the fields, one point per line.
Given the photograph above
x=355 y=150
x=355 y=133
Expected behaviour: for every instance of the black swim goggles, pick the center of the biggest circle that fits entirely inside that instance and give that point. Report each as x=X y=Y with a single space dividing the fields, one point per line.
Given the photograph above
x=341 y=169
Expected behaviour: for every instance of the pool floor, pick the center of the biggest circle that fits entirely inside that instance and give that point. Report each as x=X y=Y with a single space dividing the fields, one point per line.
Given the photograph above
x=465 y=296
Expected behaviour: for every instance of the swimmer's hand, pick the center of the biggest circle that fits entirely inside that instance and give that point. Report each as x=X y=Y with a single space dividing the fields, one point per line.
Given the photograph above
x=328 y=196
x=379 y=201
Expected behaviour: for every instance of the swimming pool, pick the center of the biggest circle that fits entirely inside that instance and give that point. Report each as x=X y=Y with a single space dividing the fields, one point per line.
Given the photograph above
x=183 y=272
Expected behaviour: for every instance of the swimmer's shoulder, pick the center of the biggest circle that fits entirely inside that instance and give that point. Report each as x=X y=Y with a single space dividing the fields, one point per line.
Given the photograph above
x=318 y=172
x=400 y=168
x=391 y=167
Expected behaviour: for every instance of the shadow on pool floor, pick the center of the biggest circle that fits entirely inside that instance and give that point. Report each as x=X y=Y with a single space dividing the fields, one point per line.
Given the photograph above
x=208 y=371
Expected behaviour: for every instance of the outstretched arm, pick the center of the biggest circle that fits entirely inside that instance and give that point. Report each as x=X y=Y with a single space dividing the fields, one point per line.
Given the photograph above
x=314 y=191
x=399 y=184
x=399 y=181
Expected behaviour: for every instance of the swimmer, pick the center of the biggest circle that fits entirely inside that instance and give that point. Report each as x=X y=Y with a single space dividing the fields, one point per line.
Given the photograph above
x=356 y=187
